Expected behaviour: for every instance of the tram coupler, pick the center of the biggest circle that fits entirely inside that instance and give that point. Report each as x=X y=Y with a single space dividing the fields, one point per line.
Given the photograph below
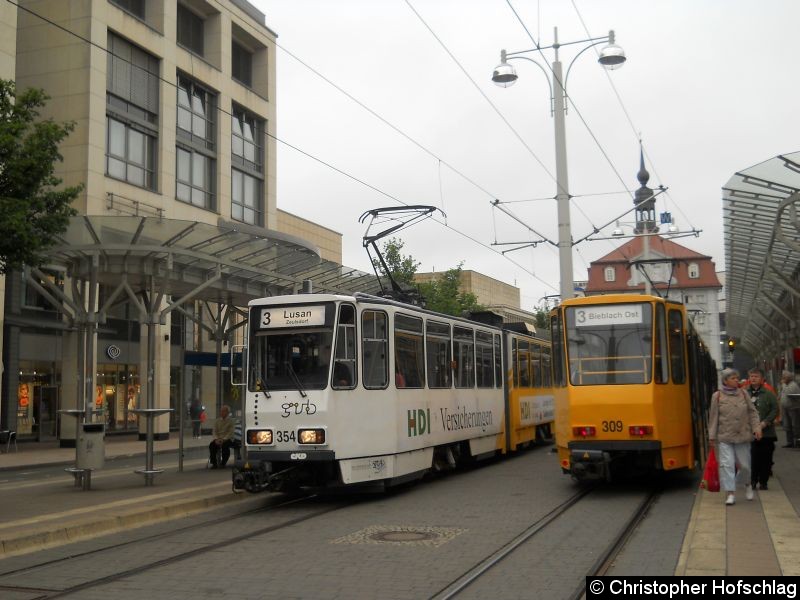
x=589 y=465
x=251 y=476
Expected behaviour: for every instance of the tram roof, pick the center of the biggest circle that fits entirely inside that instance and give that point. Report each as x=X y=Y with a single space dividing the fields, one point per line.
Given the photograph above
x=251 y=262
x=762 y=254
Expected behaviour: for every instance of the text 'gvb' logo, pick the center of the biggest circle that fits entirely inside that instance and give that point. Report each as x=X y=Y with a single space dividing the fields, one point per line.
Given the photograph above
x=419 y=422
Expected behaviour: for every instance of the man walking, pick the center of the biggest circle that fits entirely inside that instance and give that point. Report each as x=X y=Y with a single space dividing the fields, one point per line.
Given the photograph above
x=761 y=450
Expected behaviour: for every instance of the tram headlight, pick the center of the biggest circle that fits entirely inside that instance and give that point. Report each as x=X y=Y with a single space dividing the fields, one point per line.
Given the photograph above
x=259 y=437
x=315 y=437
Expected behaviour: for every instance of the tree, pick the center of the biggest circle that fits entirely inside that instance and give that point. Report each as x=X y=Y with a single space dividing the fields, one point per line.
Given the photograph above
x=403 y=268
x=443 y=295
x=440 y=295
x=32 y=211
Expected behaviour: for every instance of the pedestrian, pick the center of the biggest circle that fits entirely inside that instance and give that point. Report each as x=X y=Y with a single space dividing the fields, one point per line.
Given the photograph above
x=195 y=410
x=762 y=450
x=223 y=438
x=790 y=408
x=732 y=424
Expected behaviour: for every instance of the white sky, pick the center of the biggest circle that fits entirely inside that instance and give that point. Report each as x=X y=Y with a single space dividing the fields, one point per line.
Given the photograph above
x=710 y=84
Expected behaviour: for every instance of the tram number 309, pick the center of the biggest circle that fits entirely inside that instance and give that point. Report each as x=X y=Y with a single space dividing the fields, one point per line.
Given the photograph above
x=612 y=426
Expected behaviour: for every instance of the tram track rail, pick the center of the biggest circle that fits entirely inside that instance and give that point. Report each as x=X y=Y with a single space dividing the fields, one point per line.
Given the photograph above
x=599 y=568
x=605 y=561
x=464 y=581
x=48 y=593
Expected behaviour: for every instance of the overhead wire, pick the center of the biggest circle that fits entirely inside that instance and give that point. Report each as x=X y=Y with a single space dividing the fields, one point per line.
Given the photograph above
x=292 y=146
x=629 y=119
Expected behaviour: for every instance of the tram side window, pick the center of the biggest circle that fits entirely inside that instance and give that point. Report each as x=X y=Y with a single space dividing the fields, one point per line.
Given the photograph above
x=344 y=361
x=523 y=356
x=547 y=379
x=374 y=349
x=676 y=346
x=536 y=365
x=483 y=354
x=498 y=363
x=558 y=352
x=438 y=348
x=662 y=357
x=464 y=351
x=409 y=352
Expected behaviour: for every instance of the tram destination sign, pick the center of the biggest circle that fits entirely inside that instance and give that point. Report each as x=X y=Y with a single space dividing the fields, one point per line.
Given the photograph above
x=282 y=317
x=609 y=314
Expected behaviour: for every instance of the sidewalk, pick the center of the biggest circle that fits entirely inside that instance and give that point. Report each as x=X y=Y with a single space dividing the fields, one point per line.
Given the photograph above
x=761 y=537
x=48 y=511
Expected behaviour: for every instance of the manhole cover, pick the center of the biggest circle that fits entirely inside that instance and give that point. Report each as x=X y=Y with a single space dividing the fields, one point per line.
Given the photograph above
x=403 y=536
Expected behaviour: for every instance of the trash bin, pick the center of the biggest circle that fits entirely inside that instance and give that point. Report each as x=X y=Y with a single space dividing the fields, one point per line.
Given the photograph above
x=91 y=449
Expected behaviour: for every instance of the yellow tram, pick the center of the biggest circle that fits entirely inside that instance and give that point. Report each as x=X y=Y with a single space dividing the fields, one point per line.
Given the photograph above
x=631 y=380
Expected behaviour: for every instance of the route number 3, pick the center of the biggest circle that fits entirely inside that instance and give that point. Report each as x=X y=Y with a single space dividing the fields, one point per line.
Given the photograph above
x=265 y=317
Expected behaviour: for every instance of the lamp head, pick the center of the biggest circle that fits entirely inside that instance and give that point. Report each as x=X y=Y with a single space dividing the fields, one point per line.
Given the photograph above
x=617 y=231
x=611 y=56
x=504 y=74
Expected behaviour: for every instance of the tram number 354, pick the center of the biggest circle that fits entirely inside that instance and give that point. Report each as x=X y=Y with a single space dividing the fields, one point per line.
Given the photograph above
x=612 y=426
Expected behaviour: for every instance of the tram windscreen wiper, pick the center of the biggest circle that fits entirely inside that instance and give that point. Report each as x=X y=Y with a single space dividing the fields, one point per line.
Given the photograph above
x=261 y=386
x=295 y=378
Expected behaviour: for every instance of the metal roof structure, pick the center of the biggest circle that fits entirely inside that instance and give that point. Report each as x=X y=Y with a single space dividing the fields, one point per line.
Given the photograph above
x=249 y=262
x=762 y=255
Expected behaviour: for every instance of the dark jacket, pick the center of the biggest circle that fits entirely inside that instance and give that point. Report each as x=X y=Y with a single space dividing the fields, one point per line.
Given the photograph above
x=767 y=407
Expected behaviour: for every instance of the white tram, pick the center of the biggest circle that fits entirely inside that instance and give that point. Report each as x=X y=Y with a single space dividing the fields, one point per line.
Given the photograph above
x=344 y=390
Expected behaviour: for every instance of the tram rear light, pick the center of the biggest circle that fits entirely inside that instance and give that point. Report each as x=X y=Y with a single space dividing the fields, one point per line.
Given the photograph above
x=586 y=431
x=311 y=436
x=259 y=436
x=640 y=430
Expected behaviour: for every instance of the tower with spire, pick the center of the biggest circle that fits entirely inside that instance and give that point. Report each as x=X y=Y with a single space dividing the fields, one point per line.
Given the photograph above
x=644 y=201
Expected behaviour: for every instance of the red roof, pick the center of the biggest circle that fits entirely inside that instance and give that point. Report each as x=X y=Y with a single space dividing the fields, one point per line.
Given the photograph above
x=621 y=257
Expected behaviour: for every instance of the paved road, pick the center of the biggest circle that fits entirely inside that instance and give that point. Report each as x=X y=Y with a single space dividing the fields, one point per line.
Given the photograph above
x=446 y=526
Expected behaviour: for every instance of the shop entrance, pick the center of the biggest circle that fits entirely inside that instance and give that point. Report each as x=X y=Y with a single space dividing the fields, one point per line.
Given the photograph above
x=47 y=418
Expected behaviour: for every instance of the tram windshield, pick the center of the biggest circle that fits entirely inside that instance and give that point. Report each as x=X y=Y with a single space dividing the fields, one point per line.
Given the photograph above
x=290 y=348
x=609 y=344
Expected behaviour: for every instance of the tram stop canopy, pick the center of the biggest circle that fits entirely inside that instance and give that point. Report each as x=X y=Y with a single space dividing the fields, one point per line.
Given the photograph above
x=179 y=256
x=762 y=254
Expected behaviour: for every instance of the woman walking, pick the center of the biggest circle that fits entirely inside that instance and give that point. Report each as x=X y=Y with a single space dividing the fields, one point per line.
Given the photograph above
x=732 y=424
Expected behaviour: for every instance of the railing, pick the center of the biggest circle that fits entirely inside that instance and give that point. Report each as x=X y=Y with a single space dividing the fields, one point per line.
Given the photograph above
x=624 y=373
x=128 y=206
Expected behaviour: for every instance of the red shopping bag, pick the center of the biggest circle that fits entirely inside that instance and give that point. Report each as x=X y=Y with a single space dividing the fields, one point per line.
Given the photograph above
x=711 y=473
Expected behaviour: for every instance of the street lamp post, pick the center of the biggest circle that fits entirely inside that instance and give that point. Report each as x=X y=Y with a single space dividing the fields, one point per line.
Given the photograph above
x=611 y=57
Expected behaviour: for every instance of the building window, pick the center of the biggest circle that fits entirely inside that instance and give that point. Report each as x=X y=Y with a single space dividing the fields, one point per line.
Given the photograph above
x=196 y=151
x=196 y=110
x=246 y=198
x=694 y=271
x=130 y=154
x=247 y=176
x=135 y=7
x=610 y=274
x=242 y=67
x=246 y=140
x=132 y=113
x=195 y=178
x=190 y=30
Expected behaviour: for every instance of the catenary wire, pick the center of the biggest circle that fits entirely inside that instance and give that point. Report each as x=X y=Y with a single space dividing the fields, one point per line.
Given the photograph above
x=569 y=99
x=629 y=119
